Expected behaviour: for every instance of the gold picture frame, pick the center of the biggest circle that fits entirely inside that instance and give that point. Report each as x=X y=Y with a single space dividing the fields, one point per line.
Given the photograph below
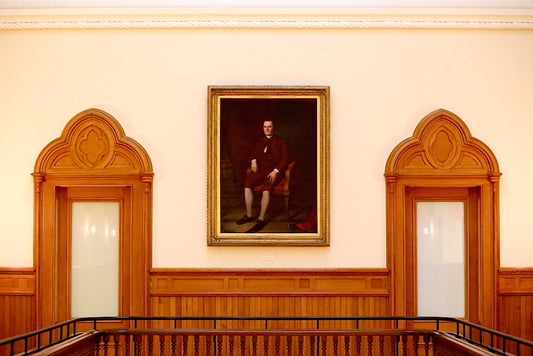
x=238 y=117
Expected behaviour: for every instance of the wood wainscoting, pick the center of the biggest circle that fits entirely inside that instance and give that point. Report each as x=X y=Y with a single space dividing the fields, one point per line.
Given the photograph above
x=17 y=301
x=270 y=292
x=515 y=301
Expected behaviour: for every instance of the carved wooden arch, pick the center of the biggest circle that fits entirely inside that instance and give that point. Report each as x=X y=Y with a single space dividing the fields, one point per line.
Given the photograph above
x=442 y=145
x=93 y=142
x=92 y=153
x=443 y=154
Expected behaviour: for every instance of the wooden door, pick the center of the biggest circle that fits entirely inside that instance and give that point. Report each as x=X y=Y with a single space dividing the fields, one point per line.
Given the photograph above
x=469 y=199
x=66 y=197
x=92 y=161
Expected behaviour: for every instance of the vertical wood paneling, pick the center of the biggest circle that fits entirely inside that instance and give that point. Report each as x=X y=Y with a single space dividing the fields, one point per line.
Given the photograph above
x=515 y=302
x=515 y=299
x=271 y=293
x=17 y=314
x=261 y=306
x=17 y=302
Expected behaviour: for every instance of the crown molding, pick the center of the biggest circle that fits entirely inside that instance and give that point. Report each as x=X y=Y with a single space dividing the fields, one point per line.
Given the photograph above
x=90 y=19
x=217 y=24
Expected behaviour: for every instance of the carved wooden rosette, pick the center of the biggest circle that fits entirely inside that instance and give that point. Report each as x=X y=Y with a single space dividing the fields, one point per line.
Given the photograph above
x=92 y=153
x=443 y=154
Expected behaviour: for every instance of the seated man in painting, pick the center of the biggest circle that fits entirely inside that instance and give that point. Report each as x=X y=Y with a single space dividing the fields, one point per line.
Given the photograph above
x=268 y=162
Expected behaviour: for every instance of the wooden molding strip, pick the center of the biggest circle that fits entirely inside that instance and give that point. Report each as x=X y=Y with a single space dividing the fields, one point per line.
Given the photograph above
x=264 y=24
x=515 y=281
x=17 y=281
x=346 y=282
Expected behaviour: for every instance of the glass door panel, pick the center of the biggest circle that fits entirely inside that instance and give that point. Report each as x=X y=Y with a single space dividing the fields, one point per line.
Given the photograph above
x=440 y=246
x=95 y=259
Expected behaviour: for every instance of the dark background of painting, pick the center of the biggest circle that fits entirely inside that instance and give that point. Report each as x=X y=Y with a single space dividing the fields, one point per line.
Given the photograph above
x=241 y=126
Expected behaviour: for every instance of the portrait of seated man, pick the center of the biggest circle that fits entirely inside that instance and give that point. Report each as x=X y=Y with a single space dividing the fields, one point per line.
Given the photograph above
x=268 y=162
x=267 y=168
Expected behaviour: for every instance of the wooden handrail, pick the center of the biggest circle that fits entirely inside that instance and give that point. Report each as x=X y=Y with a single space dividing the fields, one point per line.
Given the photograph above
x=351 y=332
x=265 y=342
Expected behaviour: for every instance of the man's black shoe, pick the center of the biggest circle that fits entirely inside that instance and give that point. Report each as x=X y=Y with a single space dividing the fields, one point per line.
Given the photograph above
x=258 y=226
x=245 y=219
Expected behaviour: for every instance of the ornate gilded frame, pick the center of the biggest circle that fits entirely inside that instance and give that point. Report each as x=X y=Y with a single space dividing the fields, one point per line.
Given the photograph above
x=235 y=119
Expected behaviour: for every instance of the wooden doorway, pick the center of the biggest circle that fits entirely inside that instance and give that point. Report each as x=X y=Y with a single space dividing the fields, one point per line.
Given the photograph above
x=461 y=284
x=92 y=160
x=443 y=161
x=68 y=267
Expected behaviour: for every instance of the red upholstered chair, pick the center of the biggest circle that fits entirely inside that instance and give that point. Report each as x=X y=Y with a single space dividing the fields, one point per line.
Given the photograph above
x=283 y=187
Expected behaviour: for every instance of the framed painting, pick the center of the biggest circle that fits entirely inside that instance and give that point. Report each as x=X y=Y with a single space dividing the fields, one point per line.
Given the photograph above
x=268 y=166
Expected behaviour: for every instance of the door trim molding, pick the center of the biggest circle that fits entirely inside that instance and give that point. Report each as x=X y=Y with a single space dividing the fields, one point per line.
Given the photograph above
x=92 y=152
x=443 y=154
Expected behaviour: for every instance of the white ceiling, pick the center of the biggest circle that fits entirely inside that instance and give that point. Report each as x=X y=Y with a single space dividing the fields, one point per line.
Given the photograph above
x=27 y=4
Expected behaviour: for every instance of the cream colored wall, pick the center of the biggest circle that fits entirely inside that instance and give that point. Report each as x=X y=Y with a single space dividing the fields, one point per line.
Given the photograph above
x=383 y=82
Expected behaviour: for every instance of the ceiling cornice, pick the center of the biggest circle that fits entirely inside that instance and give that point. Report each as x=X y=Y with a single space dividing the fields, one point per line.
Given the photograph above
x=264 y=24
x=91 y=19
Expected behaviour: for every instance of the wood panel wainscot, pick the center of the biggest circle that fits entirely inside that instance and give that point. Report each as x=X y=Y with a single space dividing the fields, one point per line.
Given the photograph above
x=270 y=292
x=17 y=301
x=515 y=301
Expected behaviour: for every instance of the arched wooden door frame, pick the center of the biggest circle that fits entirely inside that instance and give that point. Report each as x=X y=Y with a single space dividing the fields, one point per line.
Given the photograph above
x=443 y=154
x=92 y=152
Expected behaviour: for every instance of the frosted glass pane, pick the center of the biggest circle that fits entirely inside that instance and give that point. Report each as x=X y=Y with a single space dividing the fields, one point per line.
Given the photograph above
x=441 y=259
x=95 y=253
